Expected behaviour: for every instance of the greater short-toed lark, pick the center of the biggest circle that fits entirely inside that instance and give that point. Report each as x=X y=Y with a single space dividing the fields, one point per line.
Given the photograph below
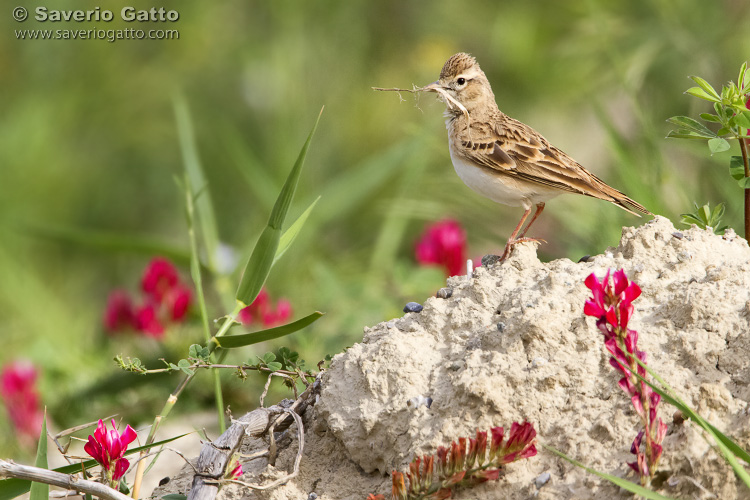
x=503 y=159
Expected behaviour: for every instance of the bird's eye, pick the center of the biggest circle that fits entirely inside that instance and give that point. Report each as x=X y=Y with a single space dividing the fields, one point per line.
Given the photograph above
x=461 y=80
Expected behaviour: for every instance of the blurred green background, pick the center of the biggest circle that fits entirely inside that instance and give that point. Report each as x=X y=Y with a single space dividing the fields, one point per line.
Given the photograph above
x=88 y=141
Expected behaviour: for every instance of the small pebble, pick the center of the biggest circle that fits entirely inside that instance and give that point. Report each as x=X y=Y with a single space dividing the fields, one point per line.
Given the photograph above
x=501 y=327
x=537 y=362
x=418 y=401
x=456 y=365
x=585 y=258
x=490 y=260
x=541 y=480
x=413 y=307
x=444 y=293
x=678 y=235
x=678 y=418
x=163 y=481
x=312 y=496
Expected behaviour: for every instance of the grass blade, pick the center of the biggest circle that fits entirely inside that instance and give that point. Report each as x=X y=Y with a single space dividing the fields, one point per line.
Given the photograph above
x=618 y=481
x=195 y=273
x=290 y=234
x=40 y=491
x=233 y=341
x=112 y=241
x=194 y=170
x=262 y=258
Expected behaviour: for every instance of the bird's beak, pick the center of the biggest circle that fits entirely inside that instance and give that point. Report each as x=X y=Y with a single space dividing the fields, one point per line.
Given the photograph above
x=433 y=87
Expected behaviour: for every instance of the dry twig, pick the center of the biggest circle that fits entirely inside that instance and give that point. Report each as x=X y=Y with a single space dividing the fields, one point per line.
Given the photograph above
x=29 y=473
x=446 y=97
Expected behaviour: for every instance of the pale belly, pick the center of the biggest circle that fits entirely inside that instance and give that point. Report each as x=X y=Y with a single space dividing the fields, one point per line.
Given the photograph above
x=505 y=190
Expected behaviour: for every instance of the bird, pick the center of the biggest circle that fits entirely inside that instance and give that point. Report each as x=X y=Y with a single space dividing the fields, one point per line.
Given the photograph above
x=504 y=159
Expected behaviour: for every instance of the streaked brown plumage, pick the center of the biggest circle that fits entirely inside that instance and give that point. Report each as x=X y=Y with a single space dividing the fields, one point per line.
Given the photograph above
x=503 y=159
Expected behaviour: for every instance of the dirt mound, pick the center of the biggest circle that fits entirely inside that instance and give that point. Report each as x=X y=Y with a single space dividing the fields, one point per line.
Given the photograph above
x=512 y=344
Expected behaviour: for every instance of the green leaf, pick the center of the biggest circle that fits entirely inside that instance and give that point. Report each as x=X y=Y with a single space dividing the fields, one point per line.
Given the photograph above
x=685 y=122
x=710 y=118
x=290 y=234
x=185 y=366
x=260 y=262
x=742 y=119
x=744 y=183
x=706 y=87
x=691 y=219
x=268 y=357
x=12 y=487
x=684 y=134
x=618 y=481
x=737 y=168
x=233 y=341
x=203 y=205
x=174 y=496
x=40 y=491
x=741 y=80
x=718 y=145
x=702 y=94
x=705 y=213
x=274 y=366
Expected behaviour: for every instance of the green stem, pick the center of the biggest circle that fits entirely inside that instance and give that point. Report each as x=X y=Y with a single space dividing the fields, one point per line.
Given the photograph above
x=229 y=321
x=743 y=149
x=171 y=401
x=213 y=343
x=195 y=271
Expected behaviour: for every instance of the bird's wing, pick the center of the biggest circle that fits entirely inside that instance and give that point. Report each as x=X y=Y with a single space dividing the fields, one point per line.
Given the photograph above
x=513 y=148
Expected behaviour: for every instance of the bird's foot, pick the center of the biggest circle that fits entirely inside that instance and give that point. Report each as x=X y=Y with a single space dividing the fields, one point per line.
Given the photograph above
x=511 y=243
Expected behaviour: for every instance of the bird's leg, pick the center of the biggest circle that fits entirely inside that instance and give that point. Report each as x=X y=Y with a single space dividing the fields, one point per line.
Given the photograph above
x=539 y=208
x=513 y=240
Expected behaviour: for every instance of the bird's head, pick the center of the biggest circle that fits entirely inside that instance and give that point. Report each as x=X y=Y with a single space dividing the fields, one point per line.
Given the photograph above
x=464 y=81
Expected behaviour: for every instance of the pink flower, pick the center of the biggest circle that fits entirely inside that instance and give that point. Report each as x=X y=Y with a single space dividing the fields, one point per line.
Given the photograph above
x=147 y=321
x=159 y=277
x=18 y=391
x=444 y=244
x=612 y=304
x=167 y=300
x=177 y=301
x=236 y=472
x=119 y=313
x=611 y=299
x=263 y=309
x=108 y=448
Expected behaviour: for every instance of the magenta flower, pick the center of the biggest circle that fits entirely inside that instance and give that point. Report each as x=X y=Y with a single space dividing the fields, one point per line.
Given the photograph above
x=18 y=391
x=147 y=321
x=444 y=244
x=464 y=463
x=177 y=300
x=612 y=304
x=166 y=300
x=119 y=314
x=236 y=472
x=159 y=277
x=263 y=310
x=108 y=448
